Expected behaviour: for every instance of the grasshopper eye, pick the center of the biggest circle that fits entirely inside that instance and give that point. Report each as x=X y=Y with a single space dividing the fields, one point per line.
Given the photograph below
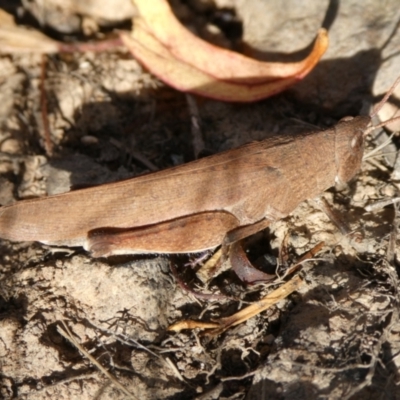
x=356 y=142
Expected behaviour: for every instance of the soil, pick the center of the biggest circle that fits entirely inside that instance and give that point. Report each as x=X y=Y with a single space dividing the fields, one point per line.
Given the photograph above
x=338 y=336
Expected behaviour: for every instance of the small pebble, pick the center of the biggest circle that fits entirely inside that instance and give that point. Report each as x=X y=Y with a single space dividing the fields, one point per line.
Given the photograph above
x=11 y=146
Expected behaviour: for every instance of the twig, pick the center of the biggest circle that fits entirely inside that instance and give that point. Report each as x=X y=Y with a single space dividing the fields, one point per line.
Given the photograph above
x=197 y=137
x=135 y=154
x=97 y=47
x=391 y=249
x=222 y=324
x=48 y=145
x=67 y=335
x=379 y=148
x=122 y=338
x=381 y=203
x=309 y=256
x=184 y=286
x=61 y=382
x=334 y=216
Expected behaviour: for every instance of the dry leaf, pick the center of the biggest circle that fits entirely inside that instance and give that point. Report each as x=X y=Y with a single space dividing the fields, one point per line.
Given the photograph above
x=189 y=64
x=185 y=77
x=220 y=63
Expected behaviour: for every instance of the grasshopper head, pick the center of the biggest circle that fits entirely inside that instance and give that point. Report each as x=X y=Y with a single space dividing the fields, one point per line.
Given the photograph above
x=349 y=146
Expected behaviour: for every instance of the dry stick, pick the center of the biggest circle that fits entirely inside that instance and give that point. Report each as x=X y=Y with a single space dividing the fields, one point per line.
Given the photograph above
x=223 y=324
x=381 y=203
x=135 y=154
x=309 y=256
x=122 y=338
x=103 y=45
x=378 y=108
x=382 y=124
x=283 y=255
x=391 y=249
x=380 y=147
x=197 y=137
x=254 y=309
x=385 y=98
x=184 y=286
x=67 y=335
x=58 y=383
x=237 y=378
x=340 y=223
x=48 y=145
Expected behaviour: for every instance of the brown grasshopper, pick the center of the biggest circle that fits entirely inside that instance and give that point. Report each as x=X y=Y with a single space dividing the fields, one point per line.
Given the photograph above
x=200 y=205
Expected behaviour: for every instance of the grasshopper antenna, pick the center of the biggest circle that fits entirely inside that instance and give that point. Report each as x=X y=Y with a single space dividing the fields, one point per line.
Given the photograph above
x=379 y=106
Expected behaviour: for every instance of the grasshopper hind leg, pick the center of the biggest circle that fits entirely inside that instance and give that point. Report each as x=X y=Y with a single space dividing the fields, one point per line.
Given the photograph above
x=188 y=234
